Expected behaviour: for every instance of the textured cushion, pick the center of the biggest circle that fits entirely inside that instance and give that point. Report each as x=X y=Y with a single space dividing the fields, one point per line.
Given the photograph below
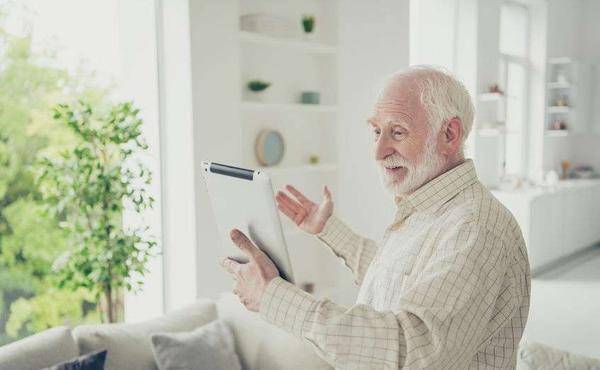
x=129 y=345
x=209 y=347
x=40 y=350
x=536 y=356
x=91 y=361
x=262 y=346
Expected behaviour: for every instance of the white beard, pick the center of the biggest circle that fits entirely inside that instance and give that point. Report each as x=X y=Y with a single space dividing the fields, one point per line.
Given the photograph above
x=429 y=167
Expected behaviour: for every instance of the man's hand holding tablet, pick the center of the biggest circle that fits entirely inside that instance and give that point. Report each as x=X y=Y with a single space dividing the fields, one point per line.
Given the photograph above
x=253 y=277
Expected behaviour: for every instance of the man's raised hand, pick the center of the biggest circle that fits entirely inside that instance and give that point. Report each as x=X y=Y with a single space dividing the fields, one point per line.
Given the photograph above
x=308 y=215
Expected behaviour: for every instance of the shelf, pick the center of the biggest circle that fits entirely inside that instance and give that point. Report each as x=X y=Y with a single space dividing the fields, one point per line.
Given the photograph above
x=559 y=85
x=562 y=60
x=307 y=168
x=295 y=44
x=296 y=107
x=490 y=131
x=557 y=133
x=559 y=109
x=492 y=97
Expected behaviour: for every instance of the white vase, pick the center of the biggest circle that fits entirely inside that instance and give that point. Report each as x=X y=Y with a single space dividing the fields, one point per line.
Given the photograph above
x=259 y=96
x=309 y=36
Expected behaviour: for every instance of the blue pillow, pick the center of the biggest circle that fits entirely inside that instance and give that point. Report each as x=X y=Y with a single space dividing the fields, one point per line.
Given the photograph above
x=90 y=361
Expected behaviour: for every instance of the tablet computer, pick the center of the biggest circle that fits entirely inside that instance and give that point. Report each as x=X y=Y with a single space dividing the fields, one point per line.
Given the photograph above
x=243 y=198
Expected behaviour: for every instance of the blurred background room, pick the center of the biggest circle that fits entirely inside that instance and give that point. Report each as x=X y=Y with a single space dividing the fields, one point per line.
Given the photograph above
x=286 y=86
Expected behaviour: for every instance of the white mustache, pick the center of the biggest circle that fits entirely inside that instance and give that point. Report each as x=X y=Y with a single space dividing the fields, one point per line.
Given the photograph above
x=394 y=160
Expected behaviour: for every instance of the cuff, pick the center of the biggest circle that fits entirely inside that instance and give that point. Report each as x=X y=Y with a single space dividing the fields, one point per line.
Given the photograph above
x=286 y=306
x=335 y=233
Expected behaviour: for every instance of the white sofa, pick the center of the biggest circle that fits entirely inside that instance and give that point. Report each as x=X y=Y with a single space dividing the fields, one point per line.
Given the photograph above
x=258 y=344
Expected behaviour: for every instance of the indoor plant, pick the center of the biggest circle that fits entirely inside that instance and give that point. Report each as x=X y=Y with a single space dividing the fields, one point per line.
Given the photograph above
x=88 y=188
x=308 y=23
x=257 y=89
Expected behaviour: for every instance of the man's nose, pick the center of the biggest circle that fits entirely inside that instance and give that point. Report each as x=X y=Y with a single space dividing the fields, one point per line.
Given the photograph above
x=383 y=148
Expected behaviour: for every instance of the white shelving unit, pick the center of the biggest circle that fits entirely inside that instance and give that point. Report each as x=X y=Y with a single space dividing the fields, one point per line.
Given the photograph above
x=561 y=83
x=290 y=107
x=292 y=44
x=292 y=64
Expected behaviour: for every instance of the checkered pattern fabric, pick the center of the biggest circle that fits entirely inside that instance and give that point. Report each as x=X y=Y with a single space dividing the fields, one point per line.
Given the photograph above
x=447 y=288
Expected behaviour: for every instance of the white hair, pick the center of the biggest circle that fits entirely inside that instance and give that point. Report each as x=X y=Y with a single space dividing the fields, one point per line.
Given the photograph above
x=442 y=95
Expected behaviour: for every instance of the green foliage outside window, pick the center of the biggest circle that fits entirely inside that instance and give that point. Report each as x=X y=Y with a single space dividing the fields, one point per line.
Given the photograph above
x=30 y=236
x=40 y=243
x=88 y=188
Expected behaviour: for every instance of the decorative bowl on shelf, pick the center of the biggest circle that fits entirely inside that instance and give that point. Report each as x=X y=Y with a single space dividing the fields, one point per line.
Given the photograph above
x=266 y=24
x=310 y=97
x=257 y=89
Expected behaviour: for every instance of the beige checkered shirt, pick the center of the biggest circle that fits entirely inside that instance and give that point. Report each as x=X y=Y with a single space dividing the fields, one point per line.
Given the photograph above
x=448 y=287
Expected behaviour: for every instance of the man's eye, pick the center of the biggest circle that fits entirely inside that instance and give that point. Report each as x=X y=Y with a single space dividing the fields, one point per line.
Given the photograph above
x=397 y=133
x=376 y=132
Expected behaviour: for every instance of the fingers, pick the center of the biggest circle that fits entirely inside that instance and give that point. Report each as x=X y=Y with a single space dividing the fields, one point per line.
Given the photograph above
x=285 y=199
x=231 y=266
x=298 y=195
x=291 y=208
x=287 y=211
x=296 y=217
x=242 y=241
x=326 y=193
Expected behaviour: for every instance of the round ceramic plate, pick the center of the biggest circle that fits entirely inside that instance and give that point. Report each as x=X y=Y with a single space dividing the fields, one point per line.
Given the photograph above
x=269 y=147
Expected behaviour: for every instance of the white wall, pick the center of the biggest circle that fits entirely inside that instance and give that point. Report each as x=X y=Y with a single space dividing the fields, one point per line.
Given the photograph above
x=445 y=33
x=177 y=153
x=373 y=44
x=584 y=148
x=216 y=135
x=138 y=81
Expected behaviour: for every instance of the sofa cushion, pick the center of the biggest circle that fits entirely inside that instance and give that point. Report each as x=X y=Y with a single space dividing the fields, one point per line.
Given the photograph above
x=537 y=356
x=91 y=361
x=210 y=347
x=262 y=346
x=129 y=345
x=40 y=350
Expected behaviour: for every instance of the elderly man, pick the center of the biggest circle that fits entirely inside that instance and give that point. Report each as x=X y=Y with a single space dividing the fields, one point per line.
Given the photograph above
x=448 y=286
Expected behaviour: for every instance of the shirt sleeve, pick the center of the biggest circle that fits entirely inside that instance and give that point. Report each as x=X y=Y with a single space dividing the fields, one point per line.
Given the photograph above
x=442 y=320
x=356 y=251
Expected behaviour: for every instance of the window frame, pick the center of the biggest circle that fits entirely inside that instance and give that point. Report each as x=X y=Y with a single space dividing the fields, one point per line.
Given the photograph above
x=524 y=61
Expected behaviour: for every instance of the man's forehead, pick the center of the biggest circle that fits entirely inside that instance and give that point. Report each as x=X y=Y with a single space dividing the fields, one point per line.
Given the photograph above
x=385 y=120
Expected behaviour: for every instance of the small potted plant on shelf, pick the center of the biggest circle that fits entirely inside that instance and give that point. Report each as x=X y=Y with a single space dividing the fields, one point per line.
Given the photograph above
x=257 y=89
x=308 y=24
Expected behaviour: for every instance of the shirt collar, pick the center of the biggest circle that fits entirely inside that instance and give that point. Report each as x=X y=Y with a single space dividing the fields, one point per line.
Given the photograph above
x=440 y=189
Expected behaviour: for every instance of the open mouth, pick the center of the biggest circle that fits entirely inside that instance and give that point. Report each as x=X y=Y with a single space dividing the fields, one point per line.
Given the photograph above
x=393 y=170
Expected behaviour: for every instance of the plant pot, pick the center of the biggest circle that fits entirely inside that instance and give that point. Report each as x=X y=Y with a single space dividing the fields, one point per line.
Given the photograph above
x=259 y=96
x=309 y=36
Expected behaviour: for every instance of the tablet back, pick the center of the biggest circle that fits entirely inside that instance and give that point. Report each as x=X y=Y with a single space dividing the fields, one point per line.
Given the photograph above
x=243 y=199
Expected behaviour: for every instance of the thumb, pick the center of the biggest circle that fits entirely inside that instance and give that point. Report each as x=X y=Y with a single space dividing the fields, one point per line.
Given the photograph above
x=242 y=241
x=326 y=193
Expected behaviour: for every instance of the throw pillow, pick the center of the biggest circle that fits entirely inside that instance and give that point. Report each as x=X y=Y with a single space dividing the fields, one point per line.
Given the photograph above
x=537 y=356
x=210 y=347
x=90 y=361
x=129 y=346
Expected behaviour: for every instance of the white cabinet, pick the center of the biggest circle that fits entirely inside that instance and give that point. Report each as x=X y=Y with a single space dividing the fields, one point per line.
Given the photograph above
x=556 y=222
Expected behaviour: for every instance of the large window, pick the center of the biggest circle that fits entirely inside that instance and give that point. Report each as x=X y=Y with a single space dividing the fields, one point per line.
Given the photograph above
x=54 y=52
x=514 y=77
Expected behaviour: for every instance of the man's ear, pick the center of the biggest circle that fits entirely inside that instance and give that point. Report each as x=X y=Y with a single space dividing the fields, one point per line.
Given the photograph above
x=452 y=135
